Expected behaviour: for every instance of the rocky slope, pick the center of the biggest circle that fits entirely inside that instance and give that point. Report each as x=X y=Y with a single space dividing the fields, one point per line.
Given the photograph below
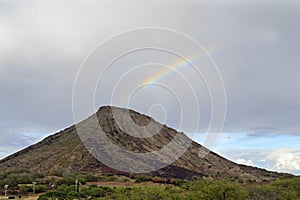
x=64 y=151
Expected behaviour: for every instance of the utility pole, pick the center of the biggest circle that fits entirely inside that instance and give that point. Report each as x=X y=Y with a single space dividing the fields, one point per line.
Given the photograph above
x=33 y=187
x=76 y=182
x=79 y=187
x=5 y=190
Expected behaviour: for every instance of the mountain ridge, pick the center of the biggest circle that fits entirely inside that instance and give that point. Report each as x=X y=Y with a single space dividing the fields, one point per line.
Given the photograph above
x=64 y=151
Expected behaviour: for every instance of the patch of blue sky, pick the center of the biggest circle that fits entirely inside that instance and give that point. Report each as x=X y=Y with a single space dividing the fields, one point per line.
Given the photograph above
x=246 y=141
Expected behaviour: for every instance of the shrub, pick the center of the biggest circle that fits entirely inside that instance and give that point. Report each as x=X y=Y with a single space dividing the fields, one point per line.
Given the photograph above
x=55 y=195
x=66 y=181
x=25 y=189
x=91 y=178
x=180 y=183
x=40 y=188
x=140 y=178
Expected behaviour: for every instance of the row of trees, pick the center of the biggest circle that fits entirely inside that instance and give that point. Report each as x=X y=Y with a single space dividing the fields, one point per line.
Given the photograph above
x=285 y=189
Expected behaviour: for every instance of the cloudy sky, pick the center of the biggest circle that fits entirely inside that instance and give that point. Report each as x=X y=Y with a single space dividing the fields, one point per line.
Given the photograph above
x=255 y=45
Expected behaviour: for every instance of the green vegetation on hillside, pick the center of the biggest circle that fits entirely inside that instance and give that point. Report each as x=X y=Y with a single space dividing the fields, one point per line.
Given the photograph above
x=284 y=189
x=57 y=186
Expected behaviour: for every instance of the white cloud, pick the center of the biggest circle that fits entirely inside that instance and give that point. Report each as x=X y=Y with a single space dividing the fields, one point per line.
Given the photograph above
x=244 y=162
x=274 y=159
x=286 y=160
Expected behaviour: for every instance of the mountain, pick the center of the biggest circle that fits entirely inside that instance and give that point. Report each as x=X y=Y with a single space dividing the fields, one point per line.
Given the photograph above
x=65 y=151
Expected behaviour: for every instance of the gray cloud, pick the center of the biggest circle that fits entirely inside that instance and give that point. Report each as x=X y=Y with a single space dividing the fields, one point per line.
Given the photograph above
x=44 y=43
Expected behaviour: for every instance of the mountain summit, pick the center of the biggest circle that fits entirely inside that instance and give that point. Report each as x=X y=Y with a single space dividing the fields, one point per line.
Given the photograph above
x=65 y=151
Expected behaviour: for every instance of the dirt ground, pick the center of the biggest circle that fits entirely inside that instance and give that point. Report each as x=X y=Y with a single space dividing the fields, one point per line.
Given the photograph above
x=24 y=198
x=120 y=183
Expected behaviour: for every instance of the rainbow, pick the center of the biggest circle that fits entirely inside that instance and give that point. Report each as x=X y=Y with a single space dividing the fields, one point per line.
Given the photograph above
x=168 y=70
